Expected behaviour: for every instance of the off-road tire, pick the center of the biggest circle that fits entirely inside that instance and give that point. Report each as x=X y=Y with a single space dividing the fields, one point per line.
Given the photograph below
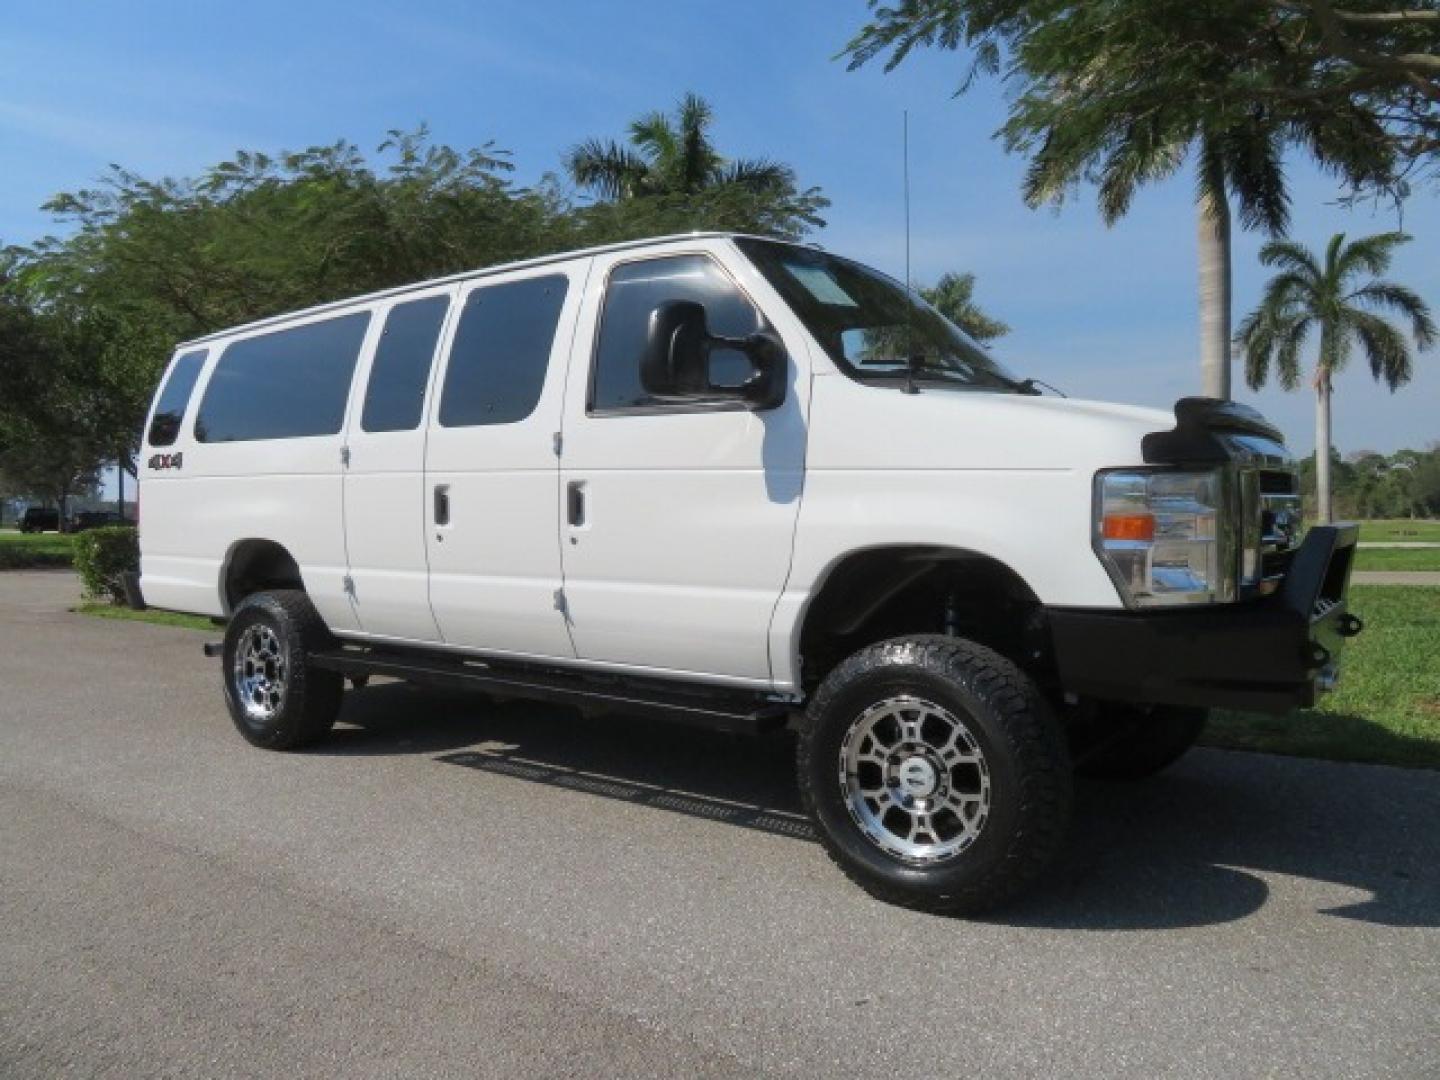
x=311 y=696
x=1132 y=742
x=1029 y=769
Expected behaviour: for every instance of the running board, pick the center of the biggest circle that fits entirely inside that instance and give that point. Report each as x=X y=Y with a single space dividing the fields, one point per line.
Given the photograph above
x=717 y=709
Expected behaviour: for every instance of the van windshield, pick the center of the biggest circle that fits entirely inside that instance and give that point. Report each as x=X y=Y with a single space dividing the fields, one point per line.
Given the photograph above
x=872 y=328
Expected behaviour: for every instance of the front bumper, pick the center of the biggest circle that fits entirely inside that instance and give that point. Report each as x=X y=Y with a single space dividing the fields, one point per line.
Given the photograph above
x=1269 y=655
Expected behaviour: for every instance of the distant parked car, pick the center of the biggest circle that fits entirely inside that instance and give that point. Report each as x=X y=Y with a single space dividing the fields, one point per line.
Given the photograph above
x=38 y=520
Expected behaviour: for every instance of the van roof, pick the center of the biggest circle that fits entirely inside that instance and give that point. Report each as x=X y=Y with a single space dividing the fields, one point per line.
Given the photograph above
x=561 y=256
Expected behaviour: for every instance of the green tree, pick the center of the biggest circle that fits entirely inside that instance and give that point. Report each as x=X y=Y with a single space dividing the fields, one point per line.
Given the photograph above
x=673 y=162
x=1123 y=93
x=55 y=430
x=146 y=263
x=954 y=297
x=1308 y=294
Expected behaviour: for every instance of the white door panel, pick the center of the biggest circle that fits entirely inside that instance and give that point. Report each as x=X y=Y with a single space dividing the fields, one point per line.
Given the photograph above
x=495 y=572
x=495 y=575
x=385 y=507
x=689 y=513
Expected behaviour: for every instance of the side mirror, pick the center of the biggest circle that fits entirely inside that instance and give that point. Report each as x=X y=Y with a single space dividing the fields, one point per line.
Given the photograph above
x=676 y=363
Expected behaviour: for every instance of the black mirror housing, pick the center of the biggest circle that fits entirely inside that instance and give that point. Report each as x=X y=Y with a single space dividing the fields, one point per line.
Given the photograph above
x=676 y=362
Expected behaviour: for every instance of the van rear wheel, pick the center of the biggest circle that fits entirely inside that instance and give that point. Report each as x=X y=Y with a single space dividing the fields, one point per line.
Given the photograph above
x=276 y=699
x=935 y=773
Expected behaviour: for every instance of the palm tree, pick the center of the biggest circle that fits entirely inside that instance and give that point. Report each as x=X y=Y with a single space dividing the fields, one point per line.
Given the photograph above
x=1240 y=163
x=1306 y=295
x=671 y=157
x=954 y=297
x=1124 y=94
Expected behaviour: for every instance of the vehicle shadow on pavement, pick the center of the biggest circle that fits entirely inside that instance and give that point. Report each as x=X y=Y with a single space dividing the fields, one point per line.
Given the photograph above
x=1186 y=848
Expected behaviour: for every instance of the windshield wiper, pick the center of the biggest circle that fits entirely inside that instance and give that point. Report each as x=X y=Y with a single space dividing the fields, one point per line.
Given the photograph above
x=1031 y=385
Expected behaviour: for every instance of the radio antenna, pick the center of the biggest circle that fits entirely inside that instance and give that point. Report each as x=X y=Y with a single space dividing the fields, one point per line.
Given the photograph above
x=911 y=359
x=905 y=175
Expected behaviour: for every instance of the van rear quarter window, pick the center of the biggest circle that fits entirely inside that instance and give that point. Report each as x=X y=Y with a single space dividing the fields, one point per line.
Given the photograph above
x=501 y=351
x=395 y=397
x=175 y=399
x=286 y=384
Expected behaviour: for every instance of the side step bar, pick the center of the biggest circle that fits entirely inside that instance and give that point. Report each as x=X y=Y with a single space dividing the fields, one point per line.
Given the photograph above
x=723 y=710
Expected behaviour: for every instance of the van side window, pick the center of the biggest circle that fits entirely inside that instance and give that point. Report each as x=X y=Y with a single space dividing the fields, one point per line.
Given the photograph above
x=501 y=351
x=175 y=399
x=395 y=397
x=636 y=289
x=283 y=385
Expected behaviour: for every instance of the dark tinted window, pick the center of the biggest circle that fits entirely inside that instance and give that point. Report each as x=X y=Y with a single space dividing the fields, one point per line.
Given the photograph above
x=635 y=290
x=396 y=394
x=174 y=398
x=283 y=385
x=502 y=348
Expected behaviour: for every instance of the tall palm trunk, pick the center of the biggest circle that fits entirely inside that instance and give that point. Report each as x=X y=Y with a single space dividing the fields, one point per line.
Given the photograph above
x=1213 y=237
x=1322 y=441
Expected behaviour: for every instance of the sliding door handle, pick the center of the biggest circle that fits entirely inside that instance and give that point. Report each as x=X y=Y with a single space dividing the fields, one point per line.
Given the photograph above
x=575 y=503
x=442 y=504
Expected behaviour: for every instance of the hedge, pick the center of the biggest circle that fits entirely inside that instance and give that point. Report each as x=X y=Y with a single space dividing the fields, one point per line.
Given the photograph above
x=103 y=556
x=35 y=551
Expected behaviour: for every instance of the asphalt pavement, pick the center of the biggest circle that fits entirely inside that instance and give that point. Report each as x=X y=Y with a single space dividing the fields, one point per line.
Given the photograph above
x=460 y=887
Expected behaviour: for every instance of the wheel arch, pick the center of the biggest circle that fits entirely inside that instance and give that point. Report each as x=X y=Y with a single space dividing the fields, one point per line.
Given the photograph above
x=255 y=564
x=867 y=594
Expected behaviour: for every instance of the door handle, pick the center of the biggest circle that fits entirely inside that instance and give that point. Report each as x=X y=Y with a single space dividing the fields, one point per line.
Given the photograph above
x=442 y=504
x=575 y=503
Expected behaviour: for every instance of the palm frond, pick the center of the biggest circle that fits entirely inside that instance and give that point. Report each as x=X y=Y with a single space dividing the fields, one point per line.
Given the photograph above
x=1255 y=342
x=758 y=175
x=1141 y=155
x=1287 y=355
x=1384 y=345
x=954 y=297
x=1287 y=289
x=1405 y=302
x=695 y=116
x=654 y=137
x=697 y=161
x=1251 y=155
x=1292 y=255
x=607 y=168
x=1370 y=254
x=1332 y=258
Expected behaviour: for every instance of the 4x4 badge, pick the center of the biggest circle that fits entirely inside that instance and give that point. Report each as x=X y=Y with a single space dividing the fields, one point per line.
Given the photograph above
x=166 y=461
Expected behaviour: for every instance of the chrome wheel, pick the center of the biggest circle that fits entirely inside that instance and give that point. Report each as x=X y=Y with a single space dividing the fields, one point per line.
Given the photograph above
x=260 y=672
x=915 y=779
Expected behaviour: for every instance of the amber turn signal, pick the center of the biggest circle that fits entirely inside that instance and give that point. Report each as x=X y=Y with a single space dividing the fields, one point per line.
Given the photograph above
x=1129 y=527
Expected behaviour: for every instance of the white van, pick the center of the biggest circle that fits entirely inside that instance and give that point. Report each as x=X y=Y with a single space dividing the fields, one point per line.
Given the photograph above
x=739 y=482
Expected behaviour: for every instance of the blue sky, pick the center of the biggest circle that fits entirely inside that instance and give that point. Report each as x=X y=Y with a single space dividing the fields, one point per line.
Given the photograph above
x=168 y=88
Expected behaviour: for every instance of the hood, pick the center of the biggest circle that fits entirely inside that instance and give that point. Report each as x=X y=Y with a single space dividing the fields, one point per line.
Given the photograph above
x=858 y=426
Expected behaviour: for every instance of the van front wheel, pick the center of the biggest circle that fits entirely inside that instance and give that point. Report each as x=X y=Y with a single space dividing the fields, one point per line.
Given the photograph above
x=936 y=774
x=276 y=699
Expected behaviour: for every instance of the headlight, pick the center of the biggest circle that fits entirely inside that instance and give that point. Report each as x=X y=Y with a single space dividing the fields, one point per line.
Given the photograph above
x=1163 y=535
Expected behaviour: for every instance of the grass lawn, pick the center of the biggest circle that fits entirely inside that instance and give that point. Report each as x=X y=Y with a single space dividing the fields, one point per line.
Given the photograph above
x=1397 y=559
x=1400 y=529
x=1387 y=709
x=150 y=615
x=28 y=551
